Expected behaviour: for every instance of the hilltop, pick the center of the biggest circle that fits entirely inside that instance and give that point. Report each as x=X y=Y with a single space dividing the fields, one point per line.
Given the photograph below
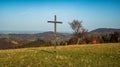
x=99 y=55
x=105 y=30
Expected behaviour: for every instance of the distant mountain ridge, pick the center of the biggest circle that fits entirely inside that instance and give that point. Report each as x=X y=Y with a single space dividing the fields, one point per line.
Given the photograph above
x=24 y=40
x=16 y=40
x=45 y=36
x=105 y=30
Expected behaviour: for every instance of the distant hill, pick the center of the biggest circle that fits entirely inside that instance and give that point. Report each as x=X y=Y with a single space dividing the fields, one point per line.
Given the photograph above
x=31 y=37
x=8 y=43
x=50 y=35
x=29 y=40
x=35 y=40
x=105 y=30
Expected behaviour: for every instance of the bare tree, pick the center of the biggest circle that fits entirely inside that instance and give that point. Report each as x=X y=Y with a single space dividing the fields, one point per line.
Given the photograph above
x=80 y=32
x=76 y=26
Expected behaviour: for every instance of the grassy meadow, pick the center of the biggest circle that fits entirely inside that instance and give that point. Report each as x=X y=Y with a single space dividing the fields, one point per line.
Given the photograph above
x=99 y=55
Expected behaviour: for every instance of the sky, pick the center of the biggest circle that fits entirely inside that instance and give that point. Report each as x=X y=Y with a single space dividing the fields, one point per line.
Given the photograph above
x=32 y=15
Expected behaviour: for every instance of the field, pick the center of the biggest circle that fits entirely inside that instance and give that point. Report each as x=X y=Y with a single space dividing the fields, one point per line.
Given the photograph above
x=99 y=55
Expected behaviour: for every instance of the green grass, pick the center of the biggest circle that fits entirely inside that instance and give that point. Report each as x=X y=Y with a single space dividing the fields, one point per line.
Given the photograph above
x=100 y=55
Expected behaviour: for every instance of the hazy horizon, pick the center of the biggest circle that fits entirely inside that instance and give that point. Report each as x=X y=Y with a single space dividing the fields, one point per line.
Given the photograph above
x=32 y=15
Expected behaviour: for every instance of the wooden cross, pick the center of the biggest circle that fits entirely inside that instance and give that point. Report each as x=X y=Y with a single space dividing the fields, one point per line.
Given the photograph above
x=55 y=35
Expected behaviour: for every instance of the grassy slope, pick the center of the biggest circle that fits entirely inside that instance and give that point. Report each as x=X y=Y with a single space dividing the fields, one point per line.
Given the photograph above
x=100 y=55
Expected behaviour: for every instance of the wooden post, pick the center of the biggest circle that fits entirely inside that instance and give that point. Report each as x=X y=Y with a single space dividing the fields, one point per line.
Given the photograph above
x=55 y=35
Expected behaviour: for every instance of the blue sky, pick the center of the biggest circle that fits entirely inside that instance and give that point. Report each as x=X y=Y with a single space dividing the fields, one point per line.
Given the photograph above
x=32 y=15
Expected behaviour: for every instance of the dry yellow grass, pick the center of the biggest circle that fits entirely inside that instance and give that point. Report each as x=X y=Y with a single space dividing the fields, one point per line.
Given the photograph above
x=99 y=55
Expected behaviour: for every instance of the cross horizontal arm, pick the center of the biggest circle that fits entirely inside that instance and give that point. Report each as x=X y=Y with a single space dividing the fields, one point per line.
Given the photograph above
x=53 y=22
x=50 y=21
x=59 y=22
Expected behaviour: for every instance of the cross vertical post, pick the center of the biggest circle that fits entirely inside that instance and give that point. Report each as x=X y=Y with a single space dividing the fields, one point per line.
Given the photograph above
x=55 y=32
x=55 y=35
